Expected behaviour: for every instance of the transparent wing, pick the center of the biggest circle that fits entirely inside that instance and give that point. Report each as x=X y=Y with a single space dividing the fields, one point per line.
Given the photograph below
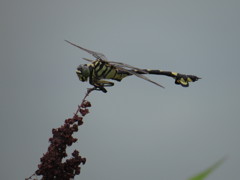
x=86 y=59
x=93 y=53
x=138 y=75
x=103 y=57
x=119 y=64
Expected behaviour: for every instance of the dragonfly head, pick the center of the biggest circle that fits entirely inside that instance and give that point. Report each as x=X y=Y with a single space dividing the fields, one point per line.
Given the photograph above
x=83 y=72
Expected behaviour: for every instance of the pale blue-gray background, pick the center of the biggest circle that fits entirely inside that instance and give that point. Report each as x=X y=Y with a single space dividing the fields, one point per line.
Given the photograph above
x=137 y=130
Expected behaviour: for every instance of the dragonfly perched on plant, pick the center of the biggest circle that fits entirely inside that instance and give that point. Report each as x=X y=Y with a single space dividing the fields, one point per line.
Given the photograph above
x=98 y=71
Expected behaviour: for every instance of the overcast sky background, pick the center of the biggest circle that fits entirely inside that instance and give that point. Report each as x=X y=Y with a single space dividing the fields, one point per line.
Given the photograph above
x=137 y=130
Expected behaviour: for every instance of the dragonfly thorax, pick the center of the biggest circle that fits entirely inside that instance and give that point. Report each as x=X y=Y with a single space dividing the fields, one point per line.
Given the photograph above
x=83 y=72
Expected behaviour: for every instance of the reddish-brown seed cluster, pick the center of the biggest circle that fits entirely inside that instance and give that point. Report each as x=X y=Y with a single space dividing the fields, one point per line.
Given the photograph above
x=51 y=166
x=83 y=108
x=54 y=164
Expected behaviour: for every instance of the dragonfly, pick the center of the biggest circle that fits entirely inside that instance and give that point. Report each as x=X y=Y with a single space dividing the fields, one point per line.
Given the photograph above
x=99 y=71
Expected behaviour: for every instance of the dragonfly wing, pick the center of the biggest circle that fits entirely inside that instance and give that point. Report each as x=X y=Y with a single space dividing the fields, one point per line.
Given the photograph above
x=138 y=75
x=119 y=64
x=93 y=53
x=86 y=59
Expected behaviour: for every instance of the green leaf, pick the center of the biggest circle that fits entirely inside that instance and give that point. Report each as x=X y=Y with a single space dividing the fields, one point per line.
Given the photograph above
x=202 y=175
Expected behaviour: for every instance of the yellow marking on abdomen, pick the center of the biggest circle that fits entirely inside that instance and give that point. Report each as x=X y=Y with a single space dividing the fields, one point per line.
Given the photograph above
x=175 y=73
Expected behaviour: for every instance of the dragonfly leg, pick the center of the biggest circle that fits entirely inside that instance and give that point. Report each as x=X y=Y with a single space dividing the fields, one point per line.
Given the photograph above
x=104 y=83
x=99 y=88
x=100 y=84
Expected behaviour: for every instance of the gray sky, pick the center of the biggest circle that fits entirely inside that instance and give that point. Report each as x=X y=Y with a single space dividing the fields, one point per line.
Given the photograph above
x=137 y=130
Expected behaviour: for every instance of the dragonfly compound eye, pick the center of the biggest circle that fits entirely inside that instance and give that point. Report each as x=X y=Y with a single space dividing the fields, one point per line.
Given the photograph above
x=83 y=72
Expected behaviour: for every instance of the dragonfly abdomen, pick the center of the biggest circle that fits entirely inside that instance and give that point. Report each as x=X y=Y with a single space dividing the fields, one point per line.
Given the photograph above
x=181 y=79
